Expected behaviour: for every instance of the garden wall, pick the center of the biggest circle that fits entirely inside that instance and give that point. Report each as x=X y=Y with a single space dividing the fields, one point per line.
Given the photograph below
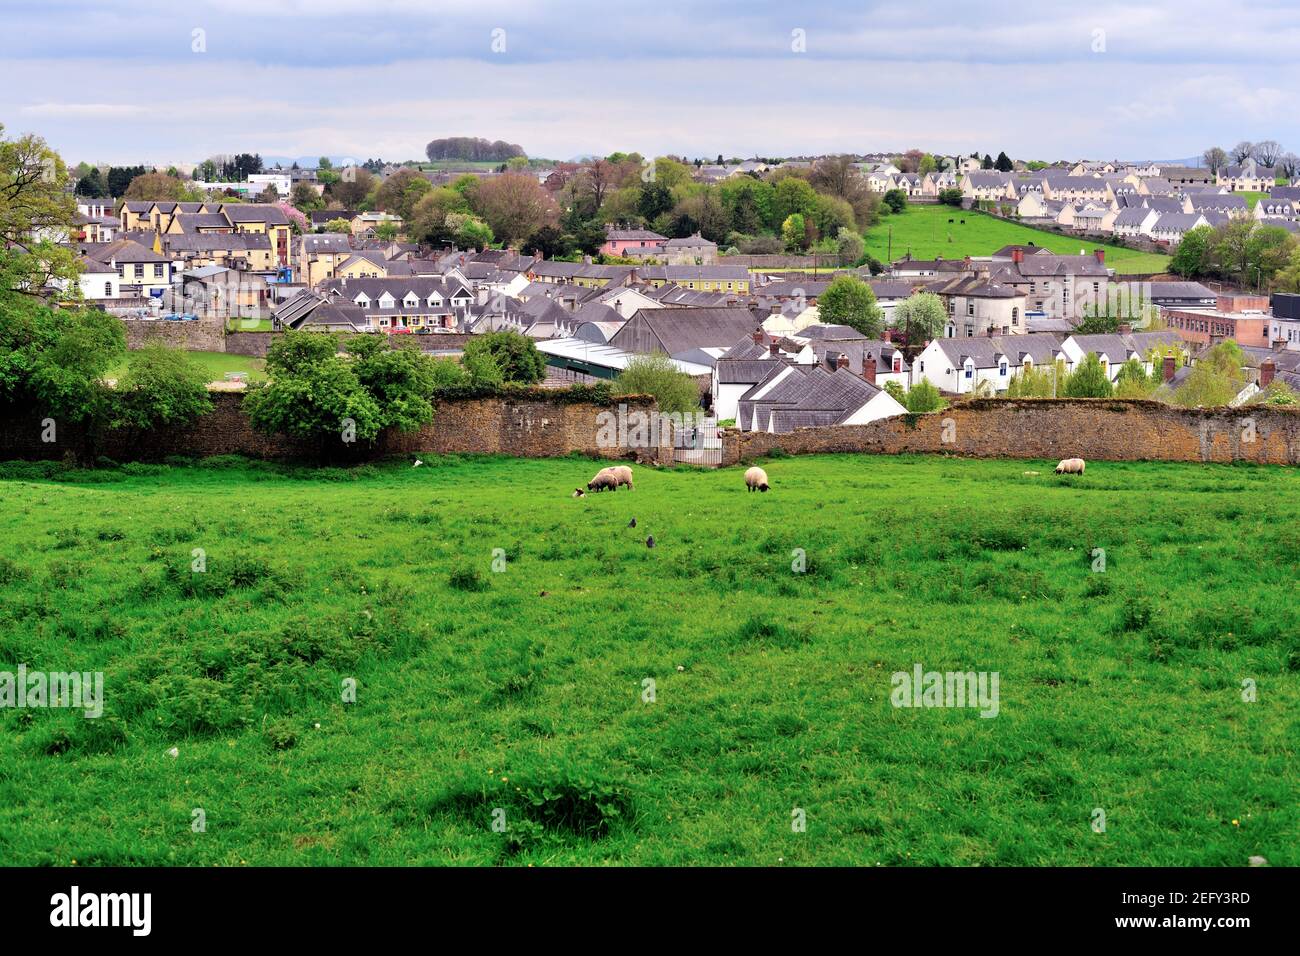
x=1099 y=429
x=204 y=335
x=541 y=427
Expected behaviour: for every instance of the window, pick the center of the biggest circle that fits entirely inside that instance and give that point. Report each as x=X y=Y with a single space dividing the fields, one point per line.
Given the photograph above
x=157 y=270
x=1015 y=315
x=1002 y=368
x=108 y=288
x=970 y=308
x=970 y=371
x=139 y=271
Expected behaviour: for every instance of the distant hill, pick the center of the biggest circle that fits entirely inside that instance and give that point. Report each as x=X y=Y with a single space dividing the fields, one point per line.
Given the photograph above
x=472 y=148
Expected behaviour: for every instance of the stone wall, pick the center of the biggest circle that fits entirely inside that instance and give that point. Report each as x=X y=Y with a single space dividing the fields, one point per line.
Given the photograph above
x=1099 y=429
x=204 y=335
x=539 y=426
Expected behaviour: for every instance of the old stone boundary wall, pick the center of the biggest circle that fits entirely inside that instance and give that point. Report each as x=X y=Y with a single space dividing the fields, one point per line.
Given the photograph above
x=1098 y=429
x=539 y=427
x=544 y=425
x=204 y=335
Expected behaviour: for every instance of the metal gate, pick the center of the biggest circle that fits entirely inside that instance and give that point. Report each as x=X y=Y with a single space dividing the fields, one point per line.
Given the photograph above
x=701 y=445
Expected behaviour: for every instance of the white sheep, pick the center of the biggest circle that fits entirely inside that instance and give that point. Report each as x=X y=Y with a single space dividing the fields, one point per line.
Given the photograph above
x=623 y=475
x=756 y=478
x=603 y=480
x=1070 y=466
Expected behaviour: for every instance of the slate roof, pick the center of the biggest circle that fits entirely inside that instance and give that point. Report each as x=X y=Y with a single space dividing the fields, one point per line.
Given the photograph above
x=679 y=330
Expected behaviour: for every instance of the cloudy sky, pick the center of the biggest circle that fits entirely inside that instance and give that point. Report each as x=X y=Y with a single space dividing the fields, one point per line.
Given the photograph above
x=160 y=81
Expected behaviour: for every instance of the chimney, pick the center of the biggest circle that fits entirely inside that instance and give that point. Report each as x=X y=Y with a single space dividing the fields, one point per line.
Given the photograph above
x=758 y=336
x=773 y=348
x=1124 y=329
x=1170 y=366
x=841 y=361
x=1100 y=254
x=1017 y=256
x=869 y=367
x=889 y=335
x=1266 y=370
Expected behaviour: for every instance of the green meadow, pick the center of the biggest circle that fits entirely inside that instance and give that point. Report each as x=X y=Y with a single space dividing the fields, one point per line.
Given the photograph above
x=215 y=364
x=462 y=664
x=924 y=231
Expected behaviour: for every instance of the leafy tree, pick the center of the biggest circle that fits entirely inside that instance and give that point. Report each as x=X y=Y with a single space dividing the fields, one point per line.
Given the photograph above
x=923 y=397
x=896 y=200
x=657 y=375
x=922 y=317
x=1134 y=382
x=1003 y=163
x=93 y=185
x=986 y=162
x=304 y=197
x=794 y=196
x=850 y=301
x=162 y=387
x=655 y=199
x=1089 y=380
x=950 y=197
x=515 y=355
x=1192 y=258
x=1288 y=277
x=400 y=380
x=1037 y=381
x=338 y=225
x=155 y=187
x=352 y=187
x=36 y=214
x=482 y=369
x=927 y=165
x=849 y=247
x=400 y=192
x=1276 y=392
x=317 y=394
x=794 y=232
x=547 y=242
x=515 y=205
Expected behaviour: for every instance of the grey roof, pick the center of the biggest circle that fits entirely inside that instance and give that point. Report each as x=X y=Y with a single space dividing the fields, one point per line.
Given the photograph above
x=679 y=330
x=1134 y=216
x=1180 y=291
x=986 y=351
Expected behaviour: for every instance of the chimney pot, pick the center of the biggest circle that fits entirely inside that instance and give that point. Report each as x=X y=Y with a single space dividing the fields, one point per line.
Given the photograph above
x=773 y=348
x=758 y=336
x=1266 y=372
x=1017 y=255
x=1170 y=366
x=841 y=361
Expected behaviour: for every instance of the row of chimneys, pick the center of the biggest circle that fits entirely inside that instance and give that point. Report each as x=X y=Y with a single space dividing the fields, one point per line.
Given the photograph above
x=842 y=361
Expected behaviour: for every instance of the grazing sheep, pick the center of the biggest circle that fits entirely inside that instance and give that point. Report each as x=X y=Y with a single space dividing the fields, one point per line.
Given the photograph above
x=603 y=481
x=623 y=475
x=1070 y=466
x=756 y=478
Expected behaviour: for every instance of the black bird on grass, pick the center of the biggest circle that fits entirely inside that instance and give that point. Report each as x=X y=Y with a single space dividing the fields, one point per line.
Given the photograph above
x=632 y=523
x=650 y=541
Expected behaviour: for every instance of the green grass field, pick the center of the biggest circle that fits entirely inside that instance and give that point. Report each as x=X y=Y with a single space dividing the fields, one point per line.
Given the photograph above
x=216 y=364
x=521 y=696
x=924 y=231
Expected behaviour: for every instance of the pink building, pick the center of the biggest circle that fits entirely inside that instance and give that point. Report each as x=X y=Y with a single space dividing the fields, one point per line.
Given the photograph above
x=618 y=241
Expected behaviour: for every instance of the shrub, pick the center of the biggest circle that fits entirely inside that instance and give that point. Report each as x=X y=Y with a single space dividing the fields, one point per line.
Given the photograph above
x=467 y=579
x=162 y=387
x=673 y=390
x=515 y=355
